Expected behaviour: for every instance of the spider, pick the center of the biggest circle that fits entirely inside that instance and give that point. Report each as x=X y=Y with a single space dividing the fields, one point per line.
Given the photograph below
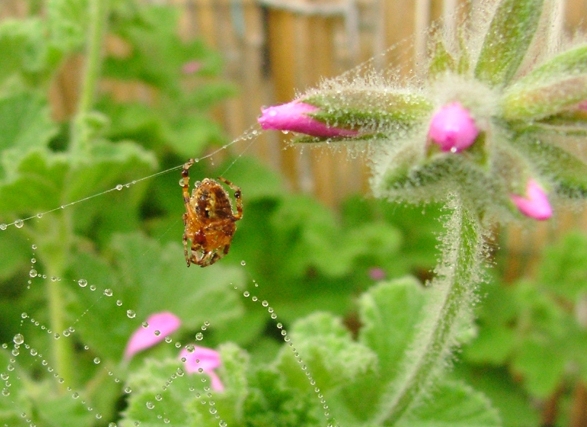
x=209 y=220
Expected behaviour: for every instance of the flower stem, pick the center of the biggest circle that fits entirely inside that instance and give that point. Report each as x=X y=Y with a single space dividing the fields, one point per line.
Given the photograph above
x=54 y=252
x=98 y=11
x=457 y=273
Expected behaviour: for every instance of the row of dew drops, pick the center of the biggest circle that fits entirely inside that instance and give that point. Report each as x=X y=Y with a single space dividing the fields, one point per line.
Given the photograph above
x=19 y=342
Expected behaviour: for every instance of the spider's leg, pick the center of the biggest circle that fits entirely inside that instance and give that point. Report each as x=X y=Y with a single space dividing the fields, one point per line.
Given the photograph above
x=185 y=241
x=237 y=196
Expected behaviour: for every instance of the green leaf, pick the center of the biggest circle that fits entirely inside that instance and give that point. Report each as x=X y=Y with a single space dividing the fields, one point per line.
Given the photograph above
x=25 y=122
x=540 y=363
x=15 y=399
x=68 y=22
x=35 y=184
x=506 y=43
x=23 y=47
x=327 y=348
x=453 y=404
x=568 y=172
x=389 y=313
x=562 y=268
x=231 y=403
x=161 y=393
x=556 y=85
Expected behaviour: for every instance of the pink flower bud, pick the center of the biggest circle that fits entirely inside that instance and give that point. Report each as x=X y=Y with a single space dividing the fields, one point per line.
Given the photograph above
x=294 y=116
x=535 y=203
x=159 y=326
x=203 y=360
x=453 y=128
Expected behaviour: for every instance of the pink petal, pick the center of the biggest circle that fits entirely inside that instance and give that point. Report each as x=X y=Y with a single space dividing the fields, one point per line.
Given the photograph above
x=453 y=128
x=535 y=204
x=203 y=359
x=160 y=325
x=294 y=117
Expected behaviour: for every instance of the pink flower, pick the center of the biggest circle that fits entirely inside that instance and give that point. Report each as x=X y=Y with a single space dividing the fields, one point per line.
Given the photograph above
x=535 y=203
x=159 y=326
x=191 y=67
x=377 y=273
x=202 y=360
x=453 y=128
x=294 y=116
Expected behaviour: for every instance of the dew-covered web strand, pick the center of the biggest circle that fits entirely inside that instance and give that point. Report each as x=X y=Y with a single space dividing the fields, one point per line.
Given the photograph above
x=250 y=134
x=331 y=422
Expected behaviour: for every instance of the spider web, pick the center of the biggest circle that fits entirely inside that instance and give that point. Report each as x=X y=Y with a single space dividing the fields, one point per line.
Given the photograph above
x=34 y=355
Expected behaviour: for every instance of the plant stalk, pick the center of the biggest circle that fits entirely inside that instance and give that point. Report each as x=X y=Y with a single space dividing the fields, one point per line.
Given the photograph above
x=97 y=17
x=54 y=253
x=457 y=274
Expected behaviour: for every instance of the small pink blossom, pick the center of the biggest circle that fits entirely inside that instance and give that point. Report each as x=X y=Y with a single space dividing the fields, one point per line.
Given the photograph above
x=453 y=128
x=535 y=203
x=377 y=273
x=191 y=67
x=159 y=326
x=294 y=116
x=203 y=360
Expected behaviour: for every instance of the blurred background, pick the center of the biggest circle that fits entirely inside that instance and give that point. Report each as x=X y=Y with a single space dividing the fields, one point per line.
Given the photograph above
x=274 y=49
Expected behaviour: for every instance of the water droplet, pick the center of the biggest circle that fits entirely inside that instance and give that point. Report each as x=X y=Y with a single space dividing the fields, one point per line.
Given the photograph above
x=243 y=263
x=150 y=405
x=33 y=273
x=156 y=332
x=130 y=314
x=34 y=247
x=97 y=360
x=199 y=336
x=118 y=302
x=127 y=390
x=264 y=303
x=246 y=294
x=82 y=283
x=40 y=215
x=75 y=395
x=158 y=397
x=19 y=223
x=5 y=392
x=18 y=339
x=190 y=348
x=56 y=335
x=92 y=288
x=119 y=187
x=3 y=227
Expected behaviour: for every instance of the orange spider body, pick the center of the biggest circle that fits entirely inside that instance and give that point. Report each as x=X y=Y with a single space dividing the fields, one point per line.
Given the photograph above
x=209 y=220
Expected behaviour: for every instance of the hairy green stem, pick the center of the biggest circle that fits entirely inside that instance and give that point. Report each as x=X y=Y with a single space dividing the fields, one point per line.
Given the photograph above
x=98 y=11
x=458 y=273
